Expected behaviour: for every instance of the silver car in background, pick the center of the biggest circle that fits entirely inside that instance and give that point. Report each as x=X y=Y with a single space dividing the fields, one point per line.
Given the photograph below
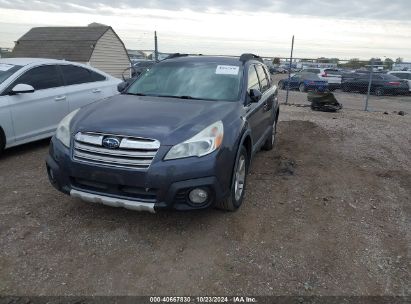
x=36 y=94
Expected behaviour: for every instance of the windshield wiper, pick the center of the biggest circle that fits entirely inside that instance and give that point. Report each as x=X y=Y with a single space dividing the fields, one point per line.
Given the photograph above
x=135 y=94
x=184 y=97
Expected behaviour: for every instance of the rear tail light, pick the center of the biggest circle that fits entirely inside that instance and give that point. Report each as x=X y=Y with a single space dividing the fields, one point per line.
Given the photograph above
x=311 y=82
x=324 y=74
x=394 y=83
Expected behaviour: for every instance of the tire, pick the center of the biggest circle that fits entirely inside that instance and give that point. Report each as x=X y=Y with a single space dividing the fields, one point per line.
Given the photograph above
x=379 y=92
x=281 y=85
x=302 y=88
x=2 y=142
x=234 y=199
x=270 y=141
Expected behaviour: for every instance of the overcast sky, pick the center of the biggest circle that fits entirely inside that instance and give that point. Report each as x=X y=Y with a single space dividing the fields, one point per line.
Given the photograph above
x=341 y=28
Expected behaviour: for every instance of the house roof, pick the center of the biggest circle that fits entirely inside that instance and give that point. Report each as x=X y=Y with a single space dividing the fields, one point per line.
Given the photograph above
x=69 y=43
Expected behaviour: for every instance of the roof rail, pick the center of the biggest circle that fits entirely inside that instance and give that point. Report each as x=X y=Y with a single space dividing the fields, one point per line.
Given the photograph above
x=175 y=55
x=248 y=56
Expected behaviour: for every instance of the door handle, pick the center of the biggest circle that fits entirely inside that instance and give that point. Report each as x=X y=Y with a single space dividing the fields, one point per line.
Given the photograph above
x=60 y=98
x=96 y=91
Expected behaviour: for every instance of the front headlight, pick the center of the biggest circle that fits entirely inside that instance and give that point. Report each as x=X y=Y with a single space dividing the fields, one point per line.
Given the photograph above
x=63 y=129
x=205 y=142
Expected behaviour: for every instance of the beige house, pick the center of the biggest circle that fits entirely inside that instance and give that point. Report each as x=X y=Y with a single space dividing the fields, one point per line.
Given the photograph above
x=97 y=45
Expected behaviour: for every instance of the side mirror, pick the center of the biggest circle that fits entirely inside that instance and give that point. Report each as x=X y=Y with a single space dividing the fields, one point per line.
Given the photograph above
x=255 y=95
x=21 y=89
x=122 y=86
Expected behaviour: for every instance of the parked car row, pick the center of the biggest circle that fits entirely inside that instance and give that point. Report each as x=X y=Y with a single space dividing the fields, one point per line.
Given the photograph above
x=396 y=83
x=381 y=84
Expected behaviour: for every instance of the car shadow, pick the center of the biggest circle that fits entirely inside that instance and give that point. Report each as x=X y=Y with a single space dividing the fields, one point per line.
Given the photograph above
x=25 y=149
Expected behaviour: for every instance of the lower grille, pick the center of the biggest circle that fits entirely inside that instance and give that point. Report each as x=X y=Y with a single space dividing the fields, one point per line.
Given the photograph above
x=131 y=152
x=126 y=192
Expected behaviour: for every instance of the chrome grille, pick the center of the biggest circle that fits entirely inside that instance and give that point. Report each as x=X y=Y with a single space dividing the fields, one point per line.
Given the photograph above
x=133 y=152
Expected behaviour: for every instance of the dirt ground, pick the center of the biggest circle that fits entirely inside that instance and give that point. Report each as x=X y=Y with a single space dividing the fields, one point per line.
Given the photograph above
x=326 y=213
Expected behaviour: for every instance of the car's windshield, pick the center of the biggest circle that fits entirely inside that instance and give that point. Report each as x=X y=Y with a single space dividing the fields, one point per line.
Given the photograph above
x=207 y=81
x=6 y=70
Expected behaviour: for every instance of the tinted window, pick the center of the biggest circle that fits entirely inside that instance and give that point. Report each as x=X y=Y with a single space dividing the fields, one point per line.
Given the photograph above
x=316 y=71
x=390 y=77
x=402 y=75
x=252 y=79
x=78 y=75
x=263 y=78
x=310 y=76
x=196 y=80
x=363 y=76
x=40 y=78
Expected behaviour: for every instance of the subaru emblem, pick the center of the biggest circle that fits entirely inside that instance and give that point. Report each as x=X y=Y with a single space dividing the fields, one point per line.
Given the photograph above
x=111 y=143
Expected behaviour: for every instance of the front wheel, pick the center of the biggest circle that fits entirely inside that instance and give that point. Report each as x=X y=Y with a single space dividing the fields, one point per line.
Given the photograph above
x=2 y=142
x=270 y=141
x=236 y=196
x=281 y=85
x=302 y=88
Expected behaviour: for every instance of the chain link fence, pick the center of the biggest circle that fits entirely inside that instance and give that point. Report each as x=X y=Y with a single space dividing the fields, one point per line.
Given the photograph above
x=372 y=85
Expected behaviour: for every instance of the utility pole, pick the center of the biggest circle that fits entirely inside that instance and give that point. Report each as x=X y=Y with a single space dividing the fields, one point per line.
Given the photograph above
x=155 y=47
x=289 y=70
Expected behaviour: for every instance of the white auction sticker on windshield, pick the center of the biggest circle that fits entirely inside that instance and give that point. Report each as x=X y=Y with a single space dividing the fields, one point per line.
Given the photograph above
x=5 y=67
x=227 y=70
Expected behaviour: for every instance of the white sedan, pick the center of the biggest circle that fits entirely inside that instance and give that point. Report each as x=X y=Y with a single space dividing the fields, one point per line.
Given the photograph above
x=36 y=94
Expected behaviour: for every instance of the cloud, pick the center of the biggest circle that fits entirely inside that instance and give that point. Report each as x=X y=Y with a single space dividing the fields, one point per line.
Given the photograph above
x=347 y=9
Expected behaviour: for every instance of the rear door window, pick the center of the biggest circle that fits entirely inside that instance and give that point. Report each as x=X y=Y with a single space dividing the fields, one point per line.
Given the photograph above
x=78 y=75
x=41 y=78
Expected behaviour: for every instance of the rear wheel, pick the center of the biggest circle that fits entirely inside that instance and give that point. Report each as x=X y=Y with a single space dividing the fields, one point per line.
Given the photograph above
x=236 y=196
x=379 y=91
x=302 y=88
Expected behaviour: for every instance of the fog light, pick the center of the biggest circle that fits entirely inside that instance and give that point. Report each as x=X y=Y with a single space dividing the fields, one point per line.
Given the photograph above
x=198 y=196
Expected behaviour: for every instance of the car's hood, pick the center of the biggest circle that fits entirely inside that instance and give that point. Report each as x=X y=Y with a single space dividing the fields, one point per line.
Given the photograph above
x=168 y=120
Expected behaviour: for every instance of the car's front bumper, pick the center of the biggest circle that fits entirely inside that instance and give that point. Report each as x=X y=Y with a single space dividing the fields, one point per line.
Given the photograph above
x=165 y=185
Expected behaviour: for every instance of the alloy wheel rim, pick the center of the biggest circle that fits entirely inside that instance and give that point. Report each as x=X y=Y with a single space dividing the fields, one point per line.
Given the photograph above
x=239 y=178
